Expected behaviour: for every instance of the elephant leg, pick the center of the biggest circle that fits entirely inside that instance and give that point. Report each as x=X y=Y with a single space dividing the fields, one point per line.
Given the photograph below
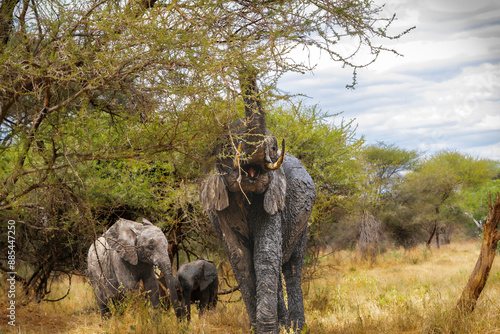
x=282 y=310
x=204 y=301
x=212 y=293
x=292 y=270
x=104 y=309
x=152 y=289
x=186 y=293
x=105 y=293
x=102 y=303
x=240 y=256
x=267 y=259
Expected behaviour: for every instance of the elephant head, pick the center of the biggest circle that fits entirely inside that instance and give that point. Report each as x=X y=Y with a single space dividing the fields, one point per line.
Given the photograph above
x=250 y=161
x=144 y=243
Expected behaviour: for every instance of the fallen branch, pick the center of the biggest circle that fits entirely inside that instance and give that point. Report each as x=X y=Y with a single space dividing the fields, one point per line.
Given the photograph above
x=61 y=298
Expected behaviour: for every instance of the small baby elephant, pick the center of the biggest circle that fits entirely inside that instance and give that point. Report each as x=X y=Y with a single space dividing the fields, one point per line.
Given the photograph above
x=197 y=280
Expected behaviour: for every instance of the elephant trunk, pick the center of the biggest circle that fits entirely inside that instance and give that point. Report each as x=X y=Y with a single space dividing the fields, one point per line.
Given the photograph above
x=166 y=269
x=256 y=130
x=254 y=113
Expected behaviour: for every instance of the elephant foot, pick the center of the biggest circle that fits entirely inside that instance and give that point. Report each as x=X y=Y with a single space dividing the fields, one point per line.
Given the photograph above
x=267 y=328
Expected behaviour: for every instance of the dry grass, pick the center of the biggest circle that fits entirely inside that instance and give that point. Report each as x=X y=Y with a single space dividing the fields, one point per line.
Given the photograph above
x=401 y=292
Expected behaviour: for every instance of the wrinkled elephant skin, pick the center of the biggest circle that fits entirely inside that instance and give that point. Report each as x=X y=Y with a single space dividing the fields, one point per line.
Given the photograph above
x=125 y=255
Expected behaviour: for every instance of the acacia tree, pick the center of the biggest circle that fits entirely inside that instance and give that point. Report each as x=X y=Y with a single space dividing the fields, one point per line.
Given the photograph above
x=474 y=200
x=88 y=82
x=385 y=163
x=432 y=190
x=383 y=167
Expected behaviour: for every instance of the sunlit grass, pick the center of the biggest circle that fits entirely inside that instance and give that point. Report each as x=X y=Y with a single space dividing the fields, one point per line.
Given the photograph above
x=400 y=292
x=414 y=291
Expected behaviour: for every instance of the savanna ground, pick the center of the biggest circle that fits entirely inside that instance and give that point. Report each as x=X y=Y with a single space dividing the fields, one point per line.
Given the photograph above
x=402 y=292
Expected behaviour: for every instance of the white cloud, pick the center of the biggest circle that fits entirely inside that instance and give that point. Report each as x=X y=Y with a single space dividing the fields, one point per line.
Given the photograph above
x=444 y=94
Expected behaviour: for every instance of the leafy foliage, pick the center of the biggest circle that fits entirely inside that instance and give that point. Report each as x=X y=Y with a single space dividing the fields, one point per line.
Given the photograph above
x=431 y=192
x=330 y=154
x=383 y=167
x=385 y=162
x=328 y=151
x=107 y=109
x=474 y=201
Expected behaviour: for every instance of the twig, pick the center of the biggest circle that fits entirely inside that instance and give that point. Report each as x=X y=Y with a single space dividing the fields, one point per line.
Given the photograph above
x=67 y=292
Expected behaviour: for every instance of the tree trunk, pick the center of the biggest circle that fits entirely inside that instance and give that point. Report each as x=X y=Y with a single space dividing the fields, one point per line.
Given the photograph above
x=6 y=17
x=254 y=112
x=433 y=232
x=478 y=278
x=447 y=233
x=438 y=232
x=255 y=118
x=369 y=236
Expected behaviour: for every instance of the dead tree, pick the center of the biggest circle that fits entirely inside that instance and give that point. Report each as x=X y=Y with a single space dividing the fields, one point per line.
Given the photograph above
x=478 y=278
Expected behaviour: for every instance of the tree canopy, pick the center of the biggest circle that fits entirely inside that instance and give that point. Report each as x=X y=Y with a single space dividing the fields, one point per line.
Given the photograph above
x=108 y=108
x=159 y=77
x=431 y=193
x=385 y=162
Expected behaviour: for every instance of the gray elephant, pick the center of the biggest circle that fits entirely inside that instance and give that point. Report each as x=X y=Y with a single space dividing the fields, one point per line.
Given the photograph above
x=198 y=281
x=259 y=201
x=125 y=255
x=195 y=281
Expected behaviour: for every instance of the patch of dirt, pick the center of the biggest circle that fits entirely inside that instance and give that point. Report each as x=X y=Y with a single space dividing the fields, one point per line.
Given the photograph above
x=30 y=320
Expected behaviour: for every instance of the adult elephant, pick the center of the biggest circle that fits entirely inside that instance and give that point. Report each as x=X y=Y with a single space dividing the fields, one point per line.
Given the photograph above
x=125 y=255
x=259 y=201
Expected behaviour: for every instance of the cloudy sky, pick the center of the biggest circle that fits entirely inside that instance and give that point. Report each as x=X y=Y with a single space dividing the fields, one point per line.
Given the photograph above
x=443 y=94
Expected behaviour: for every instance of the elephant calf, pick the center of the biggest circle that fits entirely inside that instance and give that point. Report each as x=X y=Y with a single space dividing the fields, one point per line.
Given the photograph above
x=126 y=255
x=197 y=281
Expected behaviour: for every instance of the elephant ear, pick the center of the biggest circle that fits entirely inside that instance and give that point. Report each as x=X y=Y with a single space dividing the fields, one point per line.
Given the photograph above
x=122 y=238
x=274 y=198
x=209 y=273
x=214 y=194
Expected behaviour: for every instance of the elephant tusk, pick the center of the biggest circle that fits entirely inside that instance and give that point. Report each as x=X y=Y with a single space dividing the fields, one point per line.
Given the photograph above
x=237 y=157
x=279 y=162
